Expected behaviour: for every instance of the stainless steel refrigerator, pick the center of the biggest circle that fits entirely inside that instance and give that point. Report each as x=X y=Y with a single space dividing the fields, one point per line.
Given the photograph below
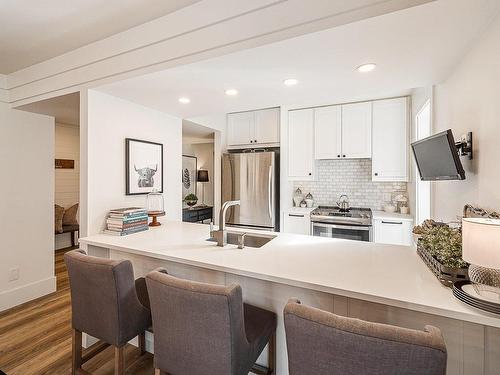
x=252 y=178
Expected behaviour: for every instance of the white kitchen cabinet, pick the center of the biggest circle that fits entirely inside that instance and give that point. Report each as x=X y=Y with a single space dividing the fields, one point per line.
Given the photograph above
x=328 y=132
x=390 y=140
x=297 y=223
x=393 y=231
x=357 y=130
x=253 y=128
x=301 y=144
x=267 y=129
x=240 y=128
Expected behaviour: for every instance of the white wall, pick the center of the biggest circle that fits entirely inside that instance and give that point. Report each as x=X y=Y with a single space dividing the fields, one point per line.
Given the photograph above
x=468 y=101
x=67 y=181
x=109 y=121
x=27 y=205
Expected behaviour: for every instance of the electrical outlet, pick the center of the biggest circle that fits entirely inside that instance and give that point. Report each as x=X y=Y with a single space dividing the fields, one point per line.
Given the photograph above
x=14 y=274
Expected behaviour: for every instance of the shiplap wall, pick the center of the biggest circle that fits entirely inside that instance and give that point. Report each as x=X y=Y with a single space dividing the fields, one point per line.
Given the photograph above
x=67 y=181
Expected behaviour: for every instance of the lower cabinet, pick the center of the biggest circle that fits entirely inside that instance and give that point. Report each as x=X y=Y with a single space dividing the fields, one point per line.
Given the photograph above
x=297 y=223
x=393 y=231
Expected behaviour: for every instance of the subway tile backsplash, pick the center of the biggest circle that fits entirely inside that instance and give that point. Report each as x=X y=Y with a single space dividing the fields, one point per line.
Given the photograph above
x=352 y=177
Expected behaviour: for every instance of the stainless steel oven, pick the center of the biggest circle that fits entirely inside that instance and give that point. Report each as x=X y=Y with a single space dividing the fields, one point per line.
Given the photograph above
x=344 y=231
x=347 y=223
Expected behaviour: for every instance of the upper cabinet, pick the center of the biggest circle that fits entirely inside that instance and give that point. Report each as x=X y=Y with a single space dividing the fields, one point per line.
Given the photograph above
x=377 y=130
x=390 y=140
x=254 y=128
x=240 y=128
x=343 y=131
x=328 y=132
x=301 y=144
x=357 y=130
x=267 y=129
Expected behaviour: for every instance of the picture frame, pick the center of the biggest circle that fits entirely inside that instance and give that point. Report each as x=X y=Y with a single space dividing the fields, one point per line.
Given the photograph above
x=188 y=176
x=143 y=166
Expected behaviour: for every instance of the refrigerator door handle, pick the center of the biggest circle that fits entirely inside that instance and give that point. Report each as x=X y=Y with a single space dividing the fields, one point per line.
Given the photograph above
x=270 y=188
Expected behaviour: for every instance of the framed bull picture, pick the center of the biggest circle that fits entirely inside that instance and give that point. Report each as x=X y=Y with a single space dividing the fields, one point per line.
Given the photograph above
x=143 y=166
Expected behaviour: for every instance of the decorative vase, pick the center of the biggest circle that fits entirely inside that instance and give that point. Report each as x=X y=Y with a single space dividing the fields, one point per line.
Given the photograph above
x=191 y=202
x=297 y=197
x=309 y=200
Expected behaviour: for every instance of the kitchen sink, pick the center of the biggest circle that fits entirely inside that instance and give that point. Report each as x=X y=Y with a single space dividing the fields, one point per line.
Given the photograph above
x=251 y=239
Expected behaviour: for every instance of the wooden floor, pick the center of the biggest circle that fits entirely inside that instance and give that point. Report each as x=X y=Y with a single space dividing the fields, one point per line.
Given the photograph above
x=35 y=338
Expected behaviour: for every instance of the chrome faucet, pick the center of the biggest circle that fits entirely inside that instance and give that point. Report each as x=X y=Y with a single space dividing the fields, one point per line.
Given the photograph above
x=221 y=234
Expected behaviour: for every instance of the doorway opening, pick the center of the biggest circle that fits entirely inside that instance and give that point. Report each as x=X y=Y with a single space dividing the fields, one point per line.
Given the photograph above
x=66 y=111
x=198 y=172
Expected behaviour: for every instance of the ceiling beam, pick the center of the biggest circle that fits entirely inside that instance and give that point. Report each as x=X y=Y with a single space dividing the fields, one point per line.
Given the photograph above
x=206 y=29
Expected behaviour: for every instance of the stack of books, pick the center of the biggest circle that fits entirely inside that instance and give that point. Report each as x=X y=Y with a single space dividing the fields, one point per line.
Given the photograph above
x=123 y=221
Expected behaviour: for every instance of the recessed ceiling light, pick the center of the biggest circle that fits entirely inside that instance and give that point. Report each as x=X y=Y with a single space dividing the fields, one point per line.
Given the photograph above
x=184 y=100
x=231 y=92
x=291 y=81
x=366 y=67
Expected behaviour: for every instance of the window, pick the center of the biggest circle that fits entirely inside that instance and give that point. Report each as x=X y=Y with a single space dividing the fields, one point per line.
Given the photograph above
x=423 y=188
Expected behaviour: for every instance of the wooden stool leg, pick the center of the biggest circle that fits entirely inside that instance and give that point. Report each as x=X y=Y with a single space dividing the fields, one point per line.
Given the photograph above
x=76 y=352
x=271 y=360
x=119 y=361
x=142 y=342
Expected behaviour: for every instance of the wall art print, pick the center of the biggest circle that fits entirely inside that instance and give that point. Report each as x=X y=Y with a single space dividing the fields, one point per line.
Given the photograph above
x=143 y=166
x=189 y=165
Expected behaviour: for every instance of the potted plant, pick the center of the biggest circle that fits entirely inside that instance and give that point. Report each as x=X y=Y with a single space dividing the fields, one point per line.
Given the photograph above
x=191 y=199
x=440 y=246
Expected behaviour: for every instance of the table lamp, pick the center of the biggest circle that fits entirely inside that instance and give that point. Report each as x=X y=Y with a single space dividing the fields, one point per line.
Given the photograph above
x=481 y=248
x=203 y=178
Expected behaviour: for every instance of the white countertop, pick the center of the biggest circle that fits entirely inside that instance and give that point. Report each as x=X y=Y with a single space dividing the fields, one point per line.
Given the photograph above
x=300 y=210
x=387 y=274
x=391 y=215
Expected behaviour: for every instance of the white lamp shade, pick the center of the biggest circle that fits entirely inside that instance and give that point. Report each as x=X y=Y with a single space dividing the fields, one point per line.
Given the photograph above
x=481 y=242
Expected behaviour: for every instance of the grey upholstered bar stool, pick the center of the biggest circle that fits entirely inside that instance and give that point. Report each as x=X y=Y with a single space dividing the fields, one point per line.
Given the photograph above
x=204 y=329
x=106 y=303
x=322 y=343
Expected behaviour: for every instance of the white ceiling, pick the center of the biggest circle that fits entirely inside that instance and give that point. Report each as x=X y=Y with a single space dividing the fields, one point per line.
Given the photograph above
x=415 y=47
x=65 y=109
x=32 y=31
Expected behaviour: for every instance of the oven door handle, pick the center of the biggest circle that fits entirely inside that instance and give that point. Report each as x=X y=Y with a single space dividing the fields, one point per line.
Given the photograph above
x=335 y=226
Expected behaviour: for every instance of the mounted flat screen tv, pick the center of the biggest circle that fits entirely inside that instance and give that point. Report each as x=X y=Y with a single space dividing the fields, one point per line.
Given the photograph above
x=437 y=158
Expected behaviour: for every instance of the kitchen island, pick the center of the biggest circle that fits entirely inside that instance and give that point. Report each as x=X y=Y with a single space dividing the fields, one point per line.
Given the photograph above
x=376 y=282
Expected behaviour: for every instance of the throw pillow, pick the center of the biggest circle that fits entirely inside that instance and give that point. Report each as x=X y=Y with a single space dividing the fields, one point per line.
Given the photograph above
x=69 y=217
x=58 y=216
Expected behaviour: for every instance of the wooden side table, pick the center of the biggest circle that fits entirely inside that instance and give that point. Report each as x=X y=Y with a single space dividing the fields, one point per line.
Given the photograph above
x=197 y=214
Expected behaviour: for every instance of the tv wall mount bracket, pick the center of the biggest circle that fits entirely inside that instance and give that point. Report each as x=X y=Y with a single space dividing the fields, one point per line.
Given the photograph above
x=464 y=145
